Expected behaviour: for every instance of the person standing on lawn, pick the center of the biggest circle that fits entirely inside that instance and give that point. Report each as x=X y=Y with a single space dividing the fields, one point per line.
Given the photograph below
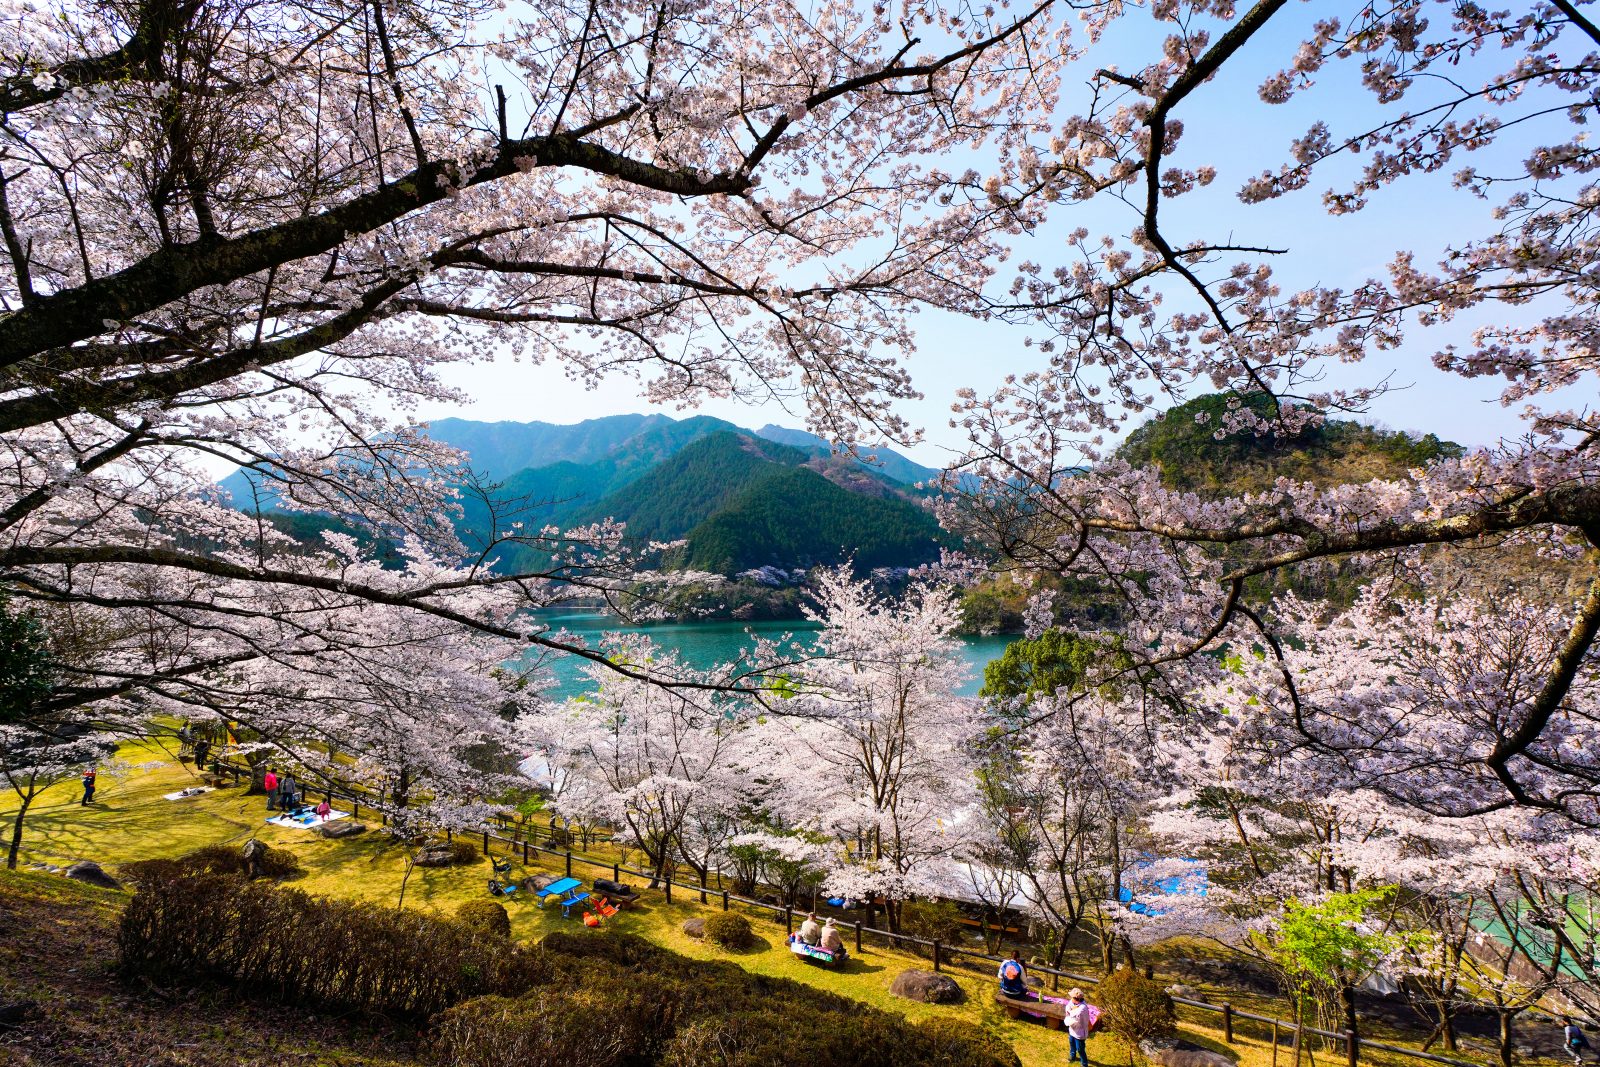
x=88 y=787
x=1078 y=1021
x=269 y=782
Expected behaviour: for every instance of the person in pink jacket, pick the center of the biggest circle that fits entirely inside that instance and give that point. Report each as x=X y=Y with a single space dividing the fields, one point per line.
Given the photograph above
x=1078 y=1019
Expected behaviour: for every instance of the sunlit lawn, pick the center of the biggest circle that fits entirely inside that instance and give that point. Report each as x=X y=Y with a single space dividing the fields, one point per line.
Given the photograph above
x=130 y=821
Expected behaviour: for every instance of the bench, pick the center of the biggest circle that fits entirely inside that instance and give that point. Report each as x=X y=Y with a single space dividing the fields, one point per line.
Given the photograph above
x=568 y=902
x=1053 y=1013
x=815 y=953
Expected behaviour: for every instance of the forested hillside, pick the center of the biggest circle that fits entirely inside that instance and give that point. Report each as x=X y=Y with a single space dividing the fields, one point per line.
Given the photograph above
x=796 y=517
x=1182 y=444
x=680 y=493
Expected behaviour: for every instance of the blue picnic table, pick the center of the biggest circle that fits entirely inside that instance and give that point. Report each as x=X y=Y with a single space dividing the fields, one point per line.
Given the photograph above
x=566 y=890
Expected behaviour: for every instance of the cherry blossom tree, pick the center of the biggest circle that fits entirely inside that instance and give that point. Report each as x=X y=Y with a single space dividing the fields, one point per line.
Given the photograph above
x=1127 y=321
x=874 y=747
x=662 y=765
x=258 y=234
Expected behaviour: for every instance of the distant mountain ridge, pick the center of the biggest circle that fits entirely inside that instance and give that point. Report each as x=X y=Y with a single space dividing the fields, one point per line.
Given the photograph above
x=797 y=501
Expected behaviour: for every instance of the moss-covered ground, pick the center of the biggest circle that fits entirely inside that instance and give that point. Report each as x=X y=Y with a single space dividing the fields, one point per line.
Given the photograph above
x=130 y=821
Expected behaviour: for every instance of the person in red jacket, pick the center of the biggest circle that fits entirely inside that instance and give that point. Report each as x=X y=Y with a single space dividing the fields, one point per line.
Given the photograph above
x=269 y=782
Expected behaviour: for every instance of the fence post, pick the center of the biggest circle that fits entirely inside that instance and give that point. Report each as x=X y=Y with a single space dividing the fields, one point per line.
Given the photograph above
x=1055 y=981
x=667 y=884
x=1274 y=1043
x=858 y=937
x=1227 y=1023
x=788 y=919
x=356 y=814
x=569 y=869
x=524 y=852
x=1352 y=1048
x=448 y=835
x=724 y=900
x=616 y=873
x=1298 y=1026
x=1150 y=971
x=936 y=955
x=486 y=842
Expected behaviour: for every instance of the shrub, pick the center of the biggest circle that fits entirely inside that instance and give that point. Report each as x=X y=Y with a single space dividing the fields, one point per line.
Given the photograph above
x=1136 y=1007
x=286 y=945
x=785 y=1035
x=959 y=1043
x=936 y=920
x=485 y=916
x=730 y=930
x=585 y=1025
x=212 y=859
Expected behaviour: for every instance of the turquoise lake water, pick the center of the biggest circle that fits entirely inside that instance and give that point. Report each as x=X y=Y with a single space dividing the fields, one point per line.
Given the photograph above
x=704 y=643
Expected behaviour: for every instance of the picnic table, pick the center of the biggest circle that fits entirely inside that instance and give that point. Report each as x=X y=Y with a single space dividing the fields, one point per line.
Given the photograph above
x=566 y=890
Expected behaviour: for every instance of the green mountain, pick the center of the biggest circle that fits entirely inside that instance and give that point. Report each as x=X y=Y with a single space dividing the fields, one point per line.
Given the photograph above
x=794 y=516
x=885 y=461
x=501 y=449
x=1182 y=445
x=683 y=491
x=699 y=478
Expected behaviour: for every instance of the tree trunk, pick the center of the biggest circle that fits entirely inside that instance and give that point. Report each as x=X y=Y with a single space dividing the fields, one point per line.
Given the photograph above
x=1347 y=1003
x=1505 y=1039
x=16 y=835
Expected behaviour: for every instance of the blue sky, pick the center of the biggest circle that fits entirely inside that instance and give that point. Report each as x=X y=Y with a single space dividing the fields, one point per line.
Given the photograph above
x=1228 y=127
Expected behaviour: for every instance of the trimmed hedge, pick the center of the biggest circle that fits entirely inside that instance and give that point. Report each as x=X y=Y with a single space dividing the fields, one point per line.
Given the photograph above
x=212 y=859
x=486 y=917
x=959 y=1042
x=730 y=930
x=294 y=948
x=695 y=1013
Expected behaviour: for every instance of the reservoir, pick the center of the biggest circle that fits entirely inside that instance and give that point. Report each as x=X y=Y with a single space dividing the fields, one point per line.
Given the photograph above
x=701 y=644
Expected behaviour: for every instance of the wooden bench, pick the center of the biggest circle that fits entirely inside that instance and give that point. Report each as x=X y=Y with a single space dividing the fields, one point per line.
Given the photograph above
x=1053 y=1014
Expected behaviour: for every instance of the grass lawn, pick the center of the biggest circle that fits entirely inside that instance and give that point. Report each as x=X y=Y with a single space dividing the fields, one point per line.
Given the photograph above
x=130 y=821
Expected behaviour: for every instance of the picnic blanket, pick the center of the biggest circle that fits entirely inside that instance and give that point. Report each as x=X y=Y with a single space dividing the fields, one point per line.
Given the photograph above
x=192 y=791
x=308 y=821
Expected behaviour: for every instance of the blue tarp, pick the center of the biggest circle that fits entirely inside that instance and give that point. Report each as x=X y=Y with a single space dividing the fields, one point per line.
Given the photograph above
x=1190 y=883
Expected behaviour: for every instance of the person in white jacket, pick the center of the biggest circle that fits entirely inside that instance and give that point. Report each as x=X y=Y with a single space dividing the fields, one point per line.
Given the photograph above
x=1077 y=1023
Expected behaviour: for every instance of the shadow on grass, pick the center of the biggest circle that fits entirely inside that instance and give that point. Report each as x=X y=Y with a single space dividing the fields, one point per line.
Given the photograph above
x=1208 y=1043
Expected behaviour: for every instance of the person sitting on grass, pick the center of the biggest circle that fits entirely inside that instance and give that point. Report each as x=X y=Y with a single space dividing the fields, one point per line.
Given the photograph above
x=1013 y=977
x=810 y=932
x=831 y=941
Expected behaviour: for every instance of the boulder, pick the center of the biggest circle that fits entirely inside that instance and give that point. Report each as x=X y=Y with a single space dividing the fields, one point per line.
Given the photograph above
x=536 y=882
x=1182 y=1054
x=14 y=1014
x=440 y=854
x=1178 y=989
x=342 y=828
x=695 y=928
x=89 y=871
x=926 y=987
